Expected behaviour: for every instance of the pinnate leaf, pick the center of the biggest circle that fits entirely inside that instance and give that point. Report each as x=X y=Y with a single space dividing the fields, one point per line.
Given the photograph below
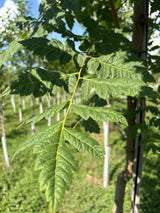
x=90 y=125
x=39 y=137
x=70 y=4
x=92 y=66
x=46 y=114
x=114 y=87
x=7 y=91
x=45 y=5
x=56 y=164
x=119 y=65
x=37 y=81
x=83 y=142
x=87 y=88
x=69 y=19
x=98 y=113
x=51 y=49
x=155 y=6
x=72 y=83
x=6 y=55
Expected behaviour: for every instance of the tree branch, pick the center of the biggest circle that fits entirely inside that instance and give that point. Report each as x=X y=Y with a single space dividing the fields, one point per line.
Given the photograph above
x=114 y=14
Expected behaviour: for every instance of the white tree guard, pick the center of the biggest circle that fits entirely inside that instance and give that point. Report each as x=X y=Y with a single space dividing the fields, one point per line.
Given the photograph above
x=58 y=102
x=37 y=101
x=41 y=105
x=33 y=128
x=20 y=109
x=3 y=138
x=20 y=115
x=106 y=166
x=49 y=105
x=23 y=104
x=13 y=103
x=5 y=151
x=107 y=154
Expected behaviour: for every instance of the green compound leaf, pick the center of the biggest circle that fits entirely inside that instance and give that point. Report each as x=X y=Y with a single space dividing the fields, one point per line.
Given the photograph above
x=119 y=65
x=69 y=19
x=67 y=33
x=92 y=66
x=155 y=6
x=37 y=81
x=56 y=164
x=46 y=114
x=39 y=137
x=55 y=161
x=72 y=82
x=53 y=15
x=114 y=87
x=90 y=125
x=6 y=92
x=87 y=87
x=51 y=49
x=98 y=113
x=6 y=55
x=83 y=143
x=45 y=5
x=70 y=4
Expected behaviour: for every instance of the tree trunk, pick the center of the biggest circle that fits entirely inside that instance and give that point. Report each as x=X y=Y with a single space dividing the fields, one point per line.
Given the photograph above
x=138 y=162
x=114 y=14
x=4 y=144
x=140 y=46
x=126 y=175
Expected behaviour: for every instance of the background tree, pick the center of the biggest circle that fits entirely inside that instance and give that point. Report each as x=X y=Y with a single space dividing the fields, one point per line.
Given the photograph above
x=9 y=70
x=5 y=75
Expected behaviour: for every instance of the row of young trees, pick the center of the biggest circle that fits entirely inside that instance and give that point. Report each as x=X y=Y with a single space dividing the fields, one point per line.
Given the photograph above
x=106 y=63
x=9 y=32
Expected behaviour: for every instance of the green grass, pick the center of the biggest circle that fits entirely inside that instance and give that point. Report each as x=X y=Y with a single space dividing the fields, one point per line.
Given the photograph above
x=19 y=189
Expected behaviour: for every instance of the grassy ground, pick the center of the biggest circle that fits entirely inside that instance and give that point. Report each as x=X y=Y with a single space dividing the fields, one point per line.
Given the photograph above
x=19 y=190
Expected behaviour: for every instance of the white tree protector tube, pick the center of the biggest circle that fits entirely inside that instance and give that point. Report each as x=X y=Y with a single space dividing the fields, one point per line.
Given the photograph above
x=20 y=109
x=49 y=106
x=5 y=151
x=58 y=102
x=23 y=104
x=106 y=166
x=37 y=100
x=4 y=144
x=13 y=103
x=33 y=128
x=41 y=105
x=107 y=154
